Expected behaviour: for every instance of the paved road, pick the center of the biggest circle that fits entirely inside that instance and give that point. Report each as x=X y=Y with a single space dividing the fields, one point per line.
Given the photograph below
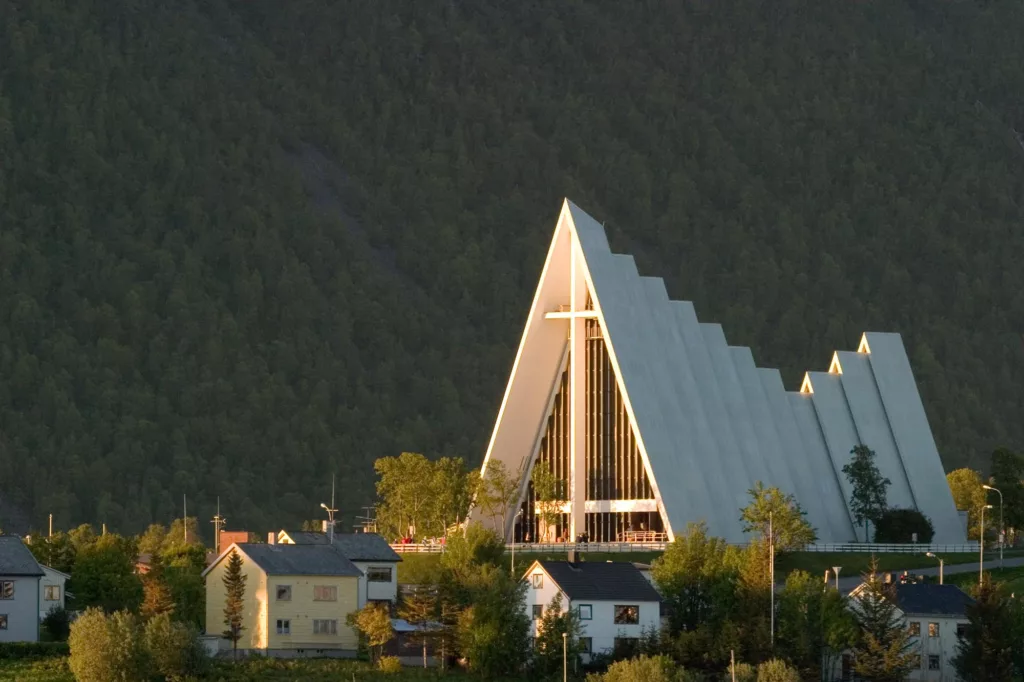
x=848 y=583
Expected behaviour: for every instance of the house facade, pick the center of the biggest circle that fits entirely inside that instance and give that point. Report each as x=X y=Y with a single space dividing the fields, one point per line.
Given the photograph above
x=296 y=599
x=935 y=615
x=51 y=590
x=615 y=603
x=20 y=575
x=371 y=554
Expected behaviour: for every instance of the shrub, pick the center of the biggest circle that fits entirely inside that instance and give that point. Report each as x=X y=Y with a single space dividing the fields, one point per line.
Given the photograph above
x=29 y=650
x=107 y=648
x=744 y=673
x=57 y=625
x=174 y=648
x=776 y=671
x=389 y=664
x=646 y=668
x=899 y=525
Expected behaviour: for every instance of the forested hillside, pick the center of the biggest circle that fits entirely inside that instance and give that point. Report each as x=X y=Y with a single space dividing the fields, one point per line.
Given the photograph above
x=245 y=245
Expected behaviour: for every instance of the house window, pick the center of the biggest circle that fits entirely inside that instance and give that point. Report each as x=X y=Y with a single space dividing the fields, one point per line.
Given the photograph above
x=284 y=627
x=325 y=627
x=7 y=589
x=934 y=662
x=586 y=645
x=915 y=629
x=3 y=621
x=51 y=592
x=284 y=593
x=933 y=629
x=586 y=611
x=538 y=580
x=961 y=629
x=626 y=647
x=325 y=593
x=627 y=615
x=378 y=574
x=538 y=611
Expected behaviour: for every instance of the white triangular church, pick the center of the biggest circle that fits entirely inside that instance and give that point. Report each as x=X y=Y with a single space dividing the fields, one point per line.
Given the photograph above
x=653 y=421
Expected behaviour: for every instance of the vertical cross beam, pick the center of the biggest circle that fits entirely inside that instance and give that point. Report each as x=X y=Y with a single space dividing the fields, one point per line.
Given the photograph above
x=577 y=395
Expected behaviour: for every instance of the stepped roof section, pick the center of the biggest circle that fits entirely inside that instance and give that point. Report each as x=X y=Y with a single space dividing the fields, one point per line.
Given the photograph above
x=709 y=422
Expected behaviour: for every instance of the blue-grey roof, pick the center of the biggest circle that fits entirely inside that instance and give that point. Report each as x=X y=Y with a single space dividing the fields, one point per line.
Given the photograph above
x=355 y=546
x=16 y=558
x=300 y=559
x=932 y=599
x=607 y=581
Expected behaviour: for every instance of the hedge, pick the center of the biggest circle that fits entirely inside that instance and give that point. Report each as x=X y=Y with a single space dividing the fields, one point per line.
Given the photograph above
x=19 y=650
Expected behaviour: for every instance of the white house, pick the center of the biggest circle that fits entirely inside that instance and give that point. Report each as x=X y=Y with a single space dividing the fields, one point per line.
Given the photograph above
x=615 y=603
x=935 y=615
x=51 y=590
x=20 y=575
x=371 y=554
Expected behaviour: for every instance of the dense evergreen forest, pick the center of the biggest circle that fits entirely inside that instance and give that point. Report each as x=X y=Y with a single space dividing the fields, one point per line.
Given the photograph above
x=245 y=245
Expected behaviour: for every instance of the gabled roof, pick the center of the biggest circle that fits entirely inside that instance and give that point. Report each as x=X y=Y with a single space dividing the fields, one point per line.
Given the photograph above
x=16 y=558
x=610 y=581
x=285 y=559
x=355 y=546
x=932 y=599
x=50 y=569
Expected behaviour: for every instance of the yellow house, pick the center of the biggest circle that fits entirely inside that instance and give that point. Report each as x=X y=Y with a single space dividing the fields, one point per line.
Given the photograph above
x=296 y=599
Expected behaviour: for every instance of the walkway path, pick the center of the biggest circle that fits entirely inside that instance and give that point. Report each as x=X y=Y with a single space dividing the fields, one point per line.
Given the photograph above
x=848 y=583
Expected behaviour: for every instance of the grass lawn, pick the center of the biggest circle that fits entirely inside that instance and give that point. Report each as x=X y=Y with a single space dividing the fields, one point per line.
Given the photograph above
x=38 y=670
x=1013 y=578
x=420 y=568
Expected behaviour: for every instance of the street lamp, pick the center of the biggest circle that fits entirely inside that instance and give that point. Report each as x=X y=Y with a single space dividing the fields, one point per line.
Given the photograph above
x=330 y=516
x=1002 y=528
x=514 y=519
x=941 y=564
x=981 y=546
x=836 y=570
x=565 y=656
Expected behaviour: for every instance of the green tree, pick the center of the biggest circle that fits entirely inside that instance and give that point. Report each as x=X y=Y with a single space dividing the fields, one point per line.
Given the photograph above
x=769 y=508
x=56 y=624
x=968 y=495
x=420 y=609
x=157 y=597
x=986 y=650
x=108 y=647
x=234 y=600
x=550 y=493
x=868 y=497
x=174 y=648
x=882 y=653
x=478 y=546
x=453 y=489
x=645 y=668
x=901 y=525
x=405 y=495
x=498 y=493
x=493 y=631
x=183 y=574
x=374 y=623
x=56 y=551
x=152 y=540
x=547 y=650
x=776 y=670
x=104 y=574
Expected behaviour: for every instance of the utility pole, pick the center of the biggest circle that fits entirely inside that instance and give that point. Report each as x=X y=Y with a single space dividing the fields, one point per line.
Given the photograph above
x=218 y=523
x=565 y=656
x=981 y=546
x=330 y=514
x=51 y=527
x=1002 y=528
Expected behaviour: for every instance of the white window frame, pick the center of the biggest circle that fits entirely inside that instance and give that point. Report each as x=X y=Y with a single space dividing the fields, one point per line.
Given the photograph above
x=49 y=591
x=380 y=570
x=585 y=615
x=325 y=626
x=284 y=626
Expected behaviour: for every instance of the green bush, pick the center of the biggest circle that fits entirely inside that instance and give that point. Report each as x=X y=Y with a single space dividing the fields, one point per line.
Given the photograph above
x=26 y=650
x=174 y=648
x=57 y=625
x=645 y=668
x=105 y=648
x=899 y=525
x=389 y=664
x=744 y=673
x=776 y=671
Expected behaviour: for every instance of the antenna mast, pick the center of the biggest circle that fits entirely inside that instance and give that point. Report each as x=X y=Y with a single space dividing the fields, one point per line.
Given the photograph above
x=218 y=523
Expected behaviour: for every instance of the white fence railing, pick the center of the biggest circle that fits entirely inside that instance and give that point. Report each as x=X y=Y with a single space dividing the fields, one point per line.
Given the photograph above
x=620 y=547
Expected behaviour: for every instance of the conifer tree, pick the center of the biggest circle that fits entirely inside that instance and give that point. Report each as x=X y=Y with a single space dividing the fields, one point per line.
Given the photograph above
x=234 y=583
x=868 y=498
x=985 y=651
x=420 y=609
x=156 y=595
x=882 y=652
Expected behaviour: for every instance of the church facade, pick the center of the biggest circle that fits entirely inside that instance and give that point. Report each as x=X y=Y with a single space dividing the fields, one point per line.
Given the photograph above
x=645 y=419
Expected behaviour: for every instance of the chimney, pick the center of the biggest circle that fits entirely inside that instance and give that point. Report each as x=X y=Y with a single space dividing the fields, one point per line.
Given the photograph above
x=572 y=557
x=271 y=538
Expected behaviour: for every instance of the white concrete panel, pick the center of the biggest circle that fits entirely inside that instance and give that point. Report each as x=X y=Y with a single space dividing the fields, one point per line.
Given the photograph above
x=913 y=435
x=873 y=426
x=723 y=429
x=818 y=488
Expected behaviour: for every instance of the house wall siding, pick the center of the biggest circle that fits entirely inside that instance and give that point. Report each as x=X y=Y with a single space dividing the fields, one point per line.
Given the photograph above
x=943 y=646
x=52 y=578
x=377 y=591
x=302 y=610
x=22 y=611
x=254 y=612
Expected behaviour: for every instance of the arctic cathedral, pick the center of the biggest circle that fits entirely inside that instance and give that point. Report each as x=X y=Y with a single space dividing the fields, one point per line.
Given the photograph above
x=651 y=420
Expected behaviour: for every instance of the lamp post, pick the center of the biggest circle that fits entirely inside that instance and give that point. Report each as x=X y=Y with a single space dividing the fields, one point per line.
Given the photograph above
x=330 y=517
x=941 y=564
x=1002 y=528
x=836 y=570
x=516 y=518
x=565 y=656
x=981 y=546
